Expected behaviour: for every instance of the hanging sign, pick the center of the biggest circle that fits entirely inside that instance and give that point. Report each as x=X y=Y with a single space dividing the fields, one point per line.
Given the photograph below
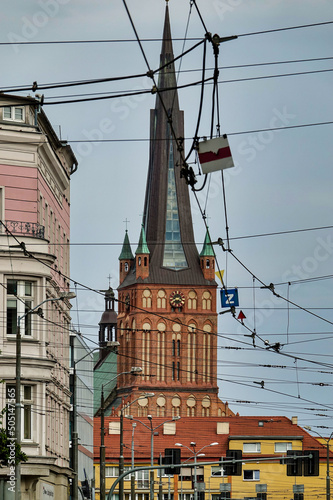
x=215 y=154
x=220 y=274
x=229 y=297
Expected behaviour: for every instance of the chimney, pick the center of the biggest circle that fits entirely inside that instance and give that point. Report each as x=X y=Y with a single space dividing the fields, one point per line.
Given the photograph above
x=294 y=420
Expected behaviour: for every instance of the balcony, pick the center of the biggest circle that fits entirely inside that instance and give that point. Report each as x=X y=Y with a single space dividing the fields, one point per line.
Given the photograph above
x=24 y=228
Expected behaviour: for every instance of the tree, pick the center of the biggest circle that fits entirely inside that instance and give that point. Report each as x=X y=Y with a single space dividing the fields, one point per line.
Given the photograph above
x=8 y=447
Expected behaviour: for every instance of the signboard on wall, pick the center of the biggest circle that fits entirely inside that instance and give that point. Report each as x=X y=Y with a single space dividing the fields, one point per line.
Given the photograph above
x=47 y=491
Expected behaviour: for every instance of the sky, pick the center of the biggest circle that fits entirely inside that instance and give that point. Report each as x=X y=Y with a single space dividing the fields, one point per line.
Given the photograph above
x=278 y=197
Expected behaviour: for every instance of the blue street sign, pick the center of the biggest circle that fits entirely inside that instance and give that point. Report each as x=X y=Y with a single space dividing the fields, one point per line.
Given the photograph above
x=229 y=297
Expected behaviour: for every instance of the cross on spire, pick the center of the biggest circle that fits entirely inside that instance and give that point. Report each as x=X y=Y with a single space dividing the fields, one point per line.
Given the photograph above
x=126 y=222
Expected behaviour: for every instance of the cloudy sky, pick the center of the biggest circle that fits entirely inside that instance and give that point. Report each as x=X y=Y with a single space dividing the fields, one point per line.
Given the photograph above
x=278 y=197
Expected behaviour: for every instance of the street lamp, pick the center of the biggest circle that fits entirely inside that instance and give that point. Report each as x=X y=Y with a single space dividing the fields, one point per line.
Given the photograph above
x=132 y=464
x=195 y=455
x=37 y=310
x=134 y=371
x=327 y=441
x=151 y=429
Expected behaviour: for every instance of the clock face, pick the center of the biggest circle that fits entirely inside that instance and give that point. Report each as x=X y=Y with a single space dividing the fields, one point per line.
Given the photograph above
x=177 y=299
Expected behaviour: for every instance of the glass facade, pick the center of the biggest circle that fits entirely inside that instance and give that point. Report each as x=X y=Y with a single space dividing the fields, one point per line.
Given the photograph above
x=174 y=256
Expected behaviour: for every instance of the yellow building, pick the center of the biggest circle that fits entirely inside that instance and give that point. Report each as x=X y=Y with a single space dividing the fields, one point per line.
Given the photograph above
x=263 y=441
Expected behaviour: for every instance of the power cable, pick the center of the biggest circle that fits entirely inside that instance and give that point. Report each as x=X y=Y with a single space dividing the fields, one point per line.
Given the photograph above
x=54 y=85
x=126 y=40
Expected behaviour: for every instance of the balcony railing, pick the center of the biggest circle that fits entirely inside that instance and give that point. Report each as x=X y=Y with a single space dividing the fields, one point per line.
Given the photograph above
x=25 y=228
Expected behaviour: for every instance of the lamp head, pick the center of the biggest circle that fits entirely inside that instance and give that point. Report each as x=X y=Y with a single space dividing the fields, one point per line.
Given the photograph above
x=176 y=418
x=136 y=369
x=178 y=444
x=150 y=417
x=67 y=295
x=213 y=444
x=192 y=443
x=130 y=417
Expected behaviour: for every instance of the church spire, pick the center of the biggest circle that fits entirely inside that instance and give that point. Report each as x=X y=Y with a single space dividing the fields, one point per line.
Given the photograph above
x=167 y=212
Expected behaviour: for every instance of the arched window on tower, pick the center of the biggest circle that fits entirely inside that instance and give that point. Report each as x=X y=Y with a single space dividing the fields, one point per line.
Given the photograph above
x=146 y=298
x=205 y=406
x=145 y=353
x=161 y=351
x=192 y=300
x=191 y=406
x=126 y=267
x=191 y=353
x=207 y=301
x=161 y=299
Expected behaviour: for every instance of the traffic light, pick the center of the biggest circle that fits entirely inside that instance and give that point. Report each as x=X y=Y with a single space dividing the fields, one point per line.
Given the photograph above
x=233 y=469
x=311 y=463
x=294 y=464
x=171 y=457
x=86 y=489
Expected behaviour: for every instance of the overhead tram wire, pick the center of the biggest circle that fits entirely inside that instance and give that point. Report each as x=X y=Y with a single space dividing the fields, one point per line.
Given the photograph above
x=38 y=87
x=29 y=254
x=124 y=40
x=46 y=86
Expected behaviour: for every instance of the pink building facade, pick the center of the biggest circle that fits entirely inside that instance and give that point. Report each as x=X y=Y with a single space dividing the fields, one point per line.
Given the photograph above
x=35 y=170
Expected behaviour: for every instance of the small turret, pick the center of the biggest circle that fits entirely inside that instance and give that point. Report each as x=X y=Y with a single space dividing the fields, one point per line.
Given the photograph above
x=126 y=259
x=142 y=257
x=207 y=259
x=107 y=335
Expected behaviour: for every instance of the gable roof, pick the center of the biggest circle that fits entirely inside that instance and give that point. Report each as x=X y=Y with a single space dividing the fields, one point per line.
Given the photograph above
x=202 y=430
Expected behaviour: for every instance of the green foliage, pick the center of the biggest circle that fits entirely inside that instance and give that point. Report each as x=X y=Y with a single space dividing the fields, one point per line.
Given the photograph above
x=5 y=451
x=5 y=457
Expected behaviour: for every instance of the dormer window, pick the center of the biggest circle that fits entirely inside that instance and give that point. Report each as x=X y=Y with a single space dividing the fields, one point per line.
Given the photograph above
x=13 y=113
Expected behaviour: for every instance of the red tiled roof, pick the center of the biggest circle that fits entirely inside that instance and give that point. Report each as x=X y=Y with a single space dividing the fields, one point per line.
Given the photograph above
x=201 y=430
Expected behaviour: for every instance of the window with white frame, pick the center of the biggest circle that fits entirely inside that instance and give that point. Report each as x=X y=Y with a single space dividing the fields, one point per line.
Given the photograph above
x=126 y=469
x=217 y=471
x=186 y=496
x=111 y=471
x=13 y=113
x=27 y=397
x=251 y=475
x=19 y=303
x=251 y=447
x=142 y=477
x=10 y=409
x=282 y=447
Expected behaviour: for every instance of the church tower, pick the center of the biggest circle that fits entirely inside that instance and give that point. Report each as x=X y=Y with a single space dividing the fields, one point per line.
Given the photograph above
x=167 y=319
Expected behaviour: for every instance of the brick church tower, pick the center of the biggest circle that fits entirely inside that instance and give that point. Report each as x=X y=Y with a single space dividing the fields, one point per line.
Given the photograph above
x=167 y=320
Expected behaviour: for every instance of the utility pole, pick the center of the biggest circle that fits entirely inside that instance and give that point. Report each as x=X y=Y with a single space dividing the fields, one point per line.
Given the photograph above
x=132 y=464
x=102 y=452
x=18 y=409
x=121 y=456
x=75 y=441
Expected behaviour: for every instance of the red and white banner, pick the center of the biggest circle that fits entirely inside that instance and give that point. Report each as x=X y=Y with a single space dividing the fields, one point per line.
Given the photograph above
x=215 y=154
